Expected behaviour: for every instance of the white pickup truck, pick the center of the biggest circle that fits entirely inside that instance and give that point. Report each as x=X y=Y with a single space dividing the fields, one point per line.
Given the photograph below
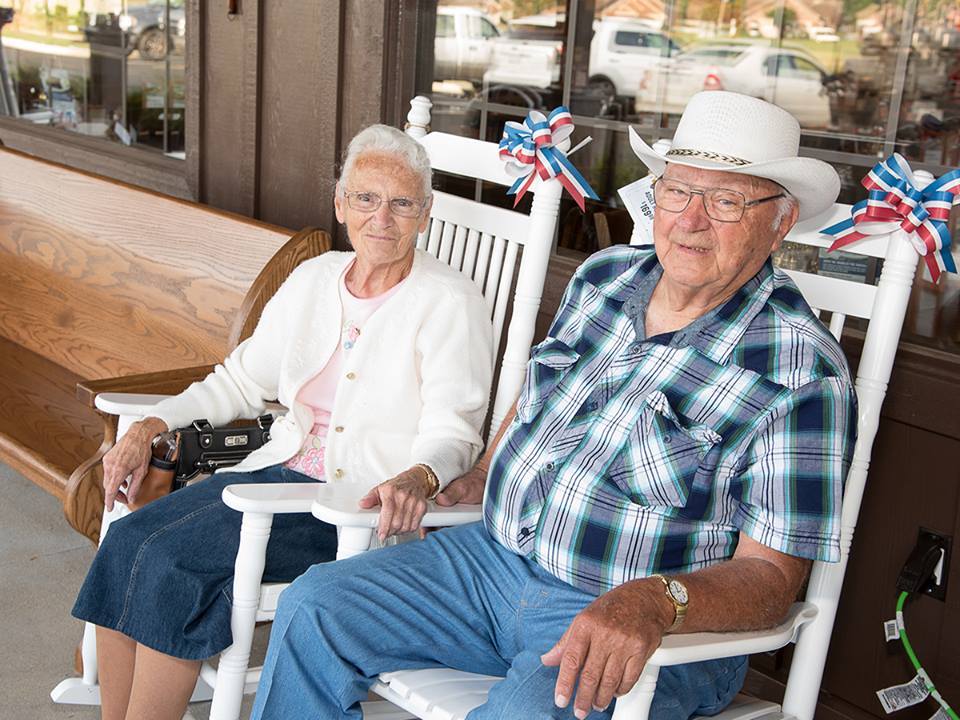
x=463 y=44
x=530 y=53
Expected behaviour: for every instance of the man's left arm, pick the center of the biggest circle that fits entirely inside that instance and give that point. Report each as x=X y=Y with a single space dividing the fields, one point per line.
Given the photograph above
x=610 y=641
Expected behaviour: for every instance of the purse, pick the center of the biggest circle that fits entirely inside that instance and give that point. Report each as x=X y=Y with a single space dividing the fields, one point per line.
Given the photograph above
x=178 y=456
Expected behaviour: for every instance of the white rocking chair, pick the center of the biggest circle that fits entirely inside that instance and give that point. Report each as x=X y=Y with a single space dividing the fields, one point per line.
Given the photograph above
x=484 y=242
x=447 y=694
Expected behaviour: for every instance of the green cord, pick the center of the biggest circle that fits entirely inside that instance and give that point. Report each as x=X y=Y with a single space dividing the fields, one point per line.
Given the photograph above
x=913 y=656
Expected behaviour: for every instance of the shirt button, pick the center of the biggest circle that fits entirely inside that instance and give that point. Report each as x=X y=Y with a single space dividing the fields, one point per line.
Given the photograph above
x=549 y=467
x=524 y=532
x=351 y=376
x=338 y=428
x=668 y=438
x=338 y=473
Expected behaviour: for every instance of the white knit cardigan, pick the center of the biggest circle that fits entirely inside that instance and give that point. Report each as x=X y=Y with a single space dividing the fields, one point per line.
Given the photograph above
x=414 y=389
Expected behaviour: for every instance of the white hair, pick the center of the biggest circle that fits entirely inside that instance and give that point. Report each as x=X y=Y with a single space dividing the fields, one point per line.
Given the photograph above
x=383 y=139
x=784 y=206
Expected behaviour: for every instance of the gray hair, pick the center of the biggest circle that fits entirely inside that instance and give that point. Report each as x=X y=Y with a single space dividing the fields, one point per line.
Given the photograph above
x=783 y=205
x=384 y=139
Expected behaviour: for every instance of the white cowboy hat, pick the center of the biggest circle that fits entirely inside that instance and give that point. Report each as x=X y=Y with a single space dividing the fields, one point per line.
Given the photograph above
x=736 y=133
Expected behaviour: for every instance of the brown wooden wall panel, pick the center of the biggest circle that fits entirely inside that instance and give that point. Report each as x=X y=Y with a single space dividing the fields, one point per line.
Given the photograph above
x=912 y=483
x=362 y=101
x=228 y=112
x=299 y=111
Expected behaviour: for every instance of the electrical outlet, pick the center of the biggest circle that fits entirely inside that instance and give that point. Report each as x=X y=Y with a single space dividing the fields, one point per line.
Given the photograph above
x=937 y=586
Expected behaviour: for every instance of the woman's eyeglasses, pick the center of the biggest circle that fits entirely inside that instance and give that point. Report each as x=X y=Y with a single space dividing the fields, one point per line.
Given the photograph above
x=369 y=202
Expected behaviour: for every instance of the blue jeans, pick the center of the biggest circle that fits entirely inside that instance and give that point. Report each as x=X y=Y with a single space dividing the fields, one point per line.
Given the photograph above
x=458 y=600
x=164 y=574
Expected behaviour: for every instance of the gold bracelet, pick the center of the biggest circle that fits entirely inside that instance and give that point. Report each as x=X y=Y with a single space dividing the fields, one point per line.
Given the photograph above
x=432 y=479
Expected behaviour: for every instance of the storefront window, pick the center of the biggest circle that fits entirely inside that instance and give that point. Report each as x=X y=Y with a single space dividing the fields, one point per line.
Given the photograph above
x=865 y=79
x=104 y=68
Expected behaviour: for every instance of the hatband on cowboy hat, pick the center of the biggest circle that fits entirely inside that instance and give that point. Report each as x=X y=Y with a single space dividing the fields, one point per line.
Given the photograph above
x=736 y=133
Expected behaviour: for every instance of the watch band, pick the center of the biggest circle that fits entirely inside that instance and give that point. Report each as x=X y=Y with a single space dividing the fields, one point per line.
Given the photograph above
x=679 y=604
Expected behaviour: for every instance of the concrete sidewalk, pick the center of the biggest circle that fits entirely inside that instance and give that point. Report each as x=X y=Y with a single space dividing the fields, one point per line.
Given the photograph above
x=42 y=563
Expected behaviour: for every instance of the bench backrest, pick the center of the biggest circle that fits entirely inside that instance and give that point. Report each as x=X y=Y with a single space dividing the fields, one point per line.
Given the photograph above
x=113 y=280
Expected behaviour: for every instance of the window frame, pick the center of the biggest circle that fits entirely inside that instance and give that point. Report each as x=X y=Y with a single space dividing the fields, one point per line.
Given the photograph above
x=138 y=166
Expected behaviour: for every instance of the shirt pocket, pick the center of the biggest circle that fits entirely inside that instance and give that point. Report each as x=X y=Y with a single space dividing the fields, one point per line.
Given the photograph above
x=660 y=459
x=548 y=363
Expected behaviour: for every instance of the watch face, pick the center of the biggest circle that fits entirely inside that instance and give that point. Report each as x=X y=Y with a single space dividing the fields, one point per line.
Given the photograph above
x=679 y=592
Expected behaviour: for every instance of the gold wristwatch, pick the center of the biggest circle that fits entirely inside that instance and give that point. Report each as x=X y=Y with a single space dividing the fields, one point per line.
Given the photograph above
x=676 y=593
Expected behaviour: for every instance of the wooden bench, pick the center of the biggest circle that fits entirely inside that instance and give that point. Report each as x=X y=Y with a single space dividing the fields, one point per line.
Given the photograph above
x=102 y=281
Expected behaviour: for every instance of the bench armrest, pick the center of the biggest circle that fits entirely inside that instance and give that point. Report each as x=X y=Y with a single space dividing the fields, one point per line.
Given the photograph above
x=166 y=382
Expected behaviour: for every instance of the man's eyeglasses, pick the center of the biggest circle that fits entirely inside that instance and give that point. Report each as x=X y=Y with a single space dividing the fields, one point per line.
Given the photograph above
x=721 y=204
x=369 y=202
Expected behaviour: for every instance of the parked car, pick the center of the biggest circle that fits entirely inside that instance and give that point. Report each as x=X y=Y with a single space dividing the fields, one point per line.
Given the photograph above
x=822 y=33
x=621 y=49
x=792 y=79
x=463 y=44
x=142 y=27
x=530 y=53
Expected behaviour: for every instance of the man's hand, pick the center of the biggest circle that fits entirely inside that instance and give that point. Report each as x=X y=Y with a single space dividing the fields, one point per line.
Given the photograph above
x=467 y=489
x=608 y=643
x=403 y=501
x=129 y=458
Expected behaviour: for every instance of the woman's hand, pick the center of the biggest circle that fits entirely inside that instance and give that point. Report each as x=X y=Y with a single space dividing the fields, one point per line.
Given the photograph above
x=403 y=501
x=129 y=458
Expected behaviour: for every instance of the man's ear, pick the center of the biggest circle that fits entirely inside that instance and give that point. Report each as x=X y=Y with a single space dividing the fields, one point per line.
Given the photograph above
x=786 y=224
x=338 y=204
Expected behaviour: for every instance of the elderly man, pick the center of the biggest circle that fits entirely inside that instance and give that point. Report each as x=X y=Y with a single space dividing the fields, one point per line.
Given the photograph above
x=674 y=463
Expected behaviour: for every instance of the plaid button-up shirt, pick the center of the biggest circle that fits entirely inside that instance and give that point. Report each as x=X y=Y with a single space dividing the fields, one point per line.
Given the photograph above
x=632 y=455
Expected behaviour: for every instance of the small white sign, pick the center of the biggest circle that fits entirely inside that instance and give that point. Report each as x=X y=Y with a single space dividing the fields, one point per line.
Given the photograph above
x=638 y=199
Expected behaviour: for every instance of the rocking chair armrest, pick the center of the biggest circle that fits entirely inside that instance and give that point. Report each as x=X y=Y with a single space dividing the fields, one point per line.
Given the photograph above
x=133 y=405
x=332 y=503
x=337 y=505
x=695 y=647
x=271 y=498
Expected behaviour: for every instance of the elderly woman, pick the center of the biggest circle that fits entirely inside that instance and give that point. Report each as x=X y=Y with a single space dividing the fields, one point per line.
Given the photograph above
x=383 y=356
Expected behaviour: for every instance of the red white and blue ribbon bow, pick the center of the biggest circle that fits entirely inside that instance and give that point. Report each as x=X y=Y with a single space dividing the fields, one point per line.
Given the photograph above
x=893 y=202
x=530 y=150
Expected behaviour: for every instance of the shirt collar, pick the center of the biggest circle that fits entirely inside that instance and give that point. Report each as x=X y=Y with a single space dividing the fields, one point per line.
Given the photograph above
x=714 y=334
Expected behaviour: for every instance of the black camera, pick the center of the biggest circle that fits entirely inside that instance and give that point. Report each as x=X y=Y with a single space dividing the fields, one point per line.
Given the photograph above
x=204 y=448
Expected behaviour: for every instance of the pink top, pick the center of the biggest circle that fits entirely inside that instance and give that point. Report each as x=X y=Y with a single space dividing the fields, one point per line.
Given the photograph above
x=320 y=391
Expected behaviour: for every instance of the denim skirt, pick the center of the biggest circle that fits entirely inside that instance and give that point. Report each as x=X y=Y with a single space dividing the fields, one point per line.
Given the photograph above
x=164 y=574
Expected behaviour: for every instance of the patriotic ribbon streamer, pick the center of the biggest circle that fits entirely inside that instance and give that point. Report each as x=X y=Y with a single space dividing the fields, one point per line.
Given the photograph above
x=894 y=202
x=529 y=148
